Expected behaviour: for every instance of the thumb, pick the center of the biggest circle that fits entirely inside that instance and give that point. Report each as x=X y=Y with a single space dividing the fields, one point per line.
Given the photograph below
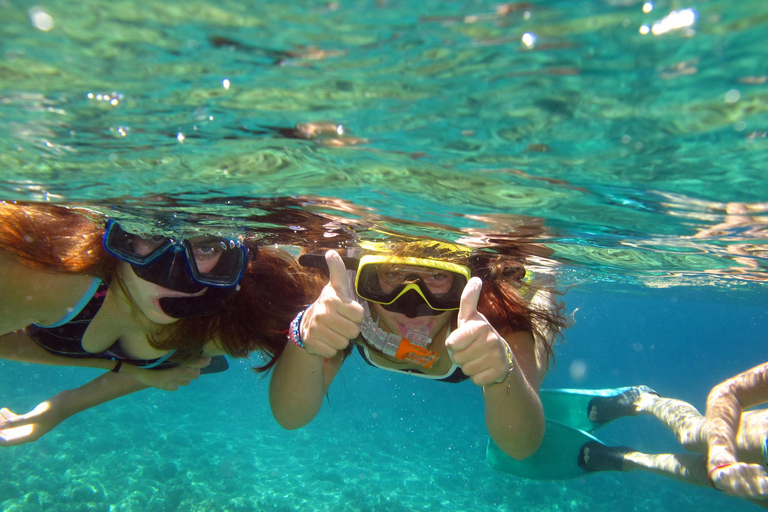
x=469 y=298
x=338 y=272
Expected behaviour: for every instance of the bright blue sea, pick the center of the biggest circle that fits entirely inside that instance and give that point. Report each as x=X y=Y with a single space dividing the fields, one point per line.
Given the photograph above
x=628 y=137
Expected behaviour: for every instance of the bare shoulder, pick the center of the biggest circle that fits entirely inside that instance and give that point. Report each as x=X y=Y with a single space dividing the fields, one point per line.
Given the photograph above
x=28 y=295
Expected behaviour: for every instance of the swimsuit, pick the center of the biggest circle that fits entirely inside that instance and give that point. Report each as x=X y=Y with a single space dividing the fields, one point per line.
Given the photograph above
x=65 y=337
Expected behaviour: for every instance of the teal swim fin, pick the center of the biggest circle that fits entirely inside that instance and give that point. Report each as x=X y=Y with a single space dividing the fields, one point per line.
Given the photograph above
x=556 y=458
x=569 y=406
x=568 y=428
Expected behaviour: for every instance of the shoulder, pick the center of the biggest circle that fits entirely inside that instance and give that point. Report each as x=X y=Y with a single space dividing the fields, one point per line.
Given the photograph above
x=29 y=295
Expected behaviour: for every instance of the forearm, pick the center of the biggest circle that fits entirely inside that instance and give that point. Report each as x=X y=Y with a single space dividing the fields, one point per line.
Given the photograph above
x=298 y=385
x=98 y=391
x=514 y=415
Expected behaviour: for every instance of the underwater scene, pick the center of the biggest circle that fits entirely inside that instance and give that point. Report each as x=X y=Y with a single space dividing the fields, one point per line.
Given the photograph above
x=618 y=146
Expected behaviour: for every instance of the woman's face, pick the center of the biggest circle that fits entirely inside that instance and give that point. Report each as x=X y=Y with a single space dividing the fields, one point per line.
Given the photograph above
x=147 y=295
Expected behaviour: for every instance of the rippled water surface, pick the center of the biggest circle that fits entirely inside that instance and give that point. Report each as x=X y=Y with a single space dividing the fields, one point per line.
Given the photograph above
x=637 y=156
x=628 y=137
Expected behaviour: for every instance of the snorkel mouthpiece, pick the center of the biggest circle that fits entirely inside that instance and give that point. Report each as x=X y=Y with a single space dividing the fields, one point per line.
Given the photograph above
x=412 y=348
x=172 y=272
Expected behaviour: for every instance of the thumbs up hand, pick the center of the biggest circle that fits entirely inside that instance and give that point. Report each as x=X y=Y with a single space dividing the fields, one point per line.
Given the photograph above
x=475 y=345
x=334 y=318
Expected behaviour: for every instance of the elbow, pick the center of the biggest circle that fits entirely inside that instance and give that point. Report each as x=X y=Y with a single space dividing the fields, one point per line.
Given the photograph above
x=288 y=423
x=523 y=450
x=290 y=416
x=521 y=444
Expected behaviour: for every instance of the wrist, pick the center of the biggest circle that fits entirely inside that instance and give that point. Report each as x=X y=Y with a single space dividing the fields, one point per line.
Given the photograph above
x=295 y=330
x=61 y=404
x=511 y=364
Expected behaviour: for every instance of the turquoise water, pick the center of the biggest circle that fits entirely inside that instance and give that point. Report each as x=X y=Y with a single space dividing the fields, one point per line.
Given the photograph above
x=638 y=159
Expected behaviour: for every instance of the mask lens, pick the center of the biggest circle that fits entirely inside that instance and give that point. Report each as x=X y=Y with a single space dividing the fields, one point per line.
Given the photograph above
x=385 y=283
x=216 y=261
x=134 y=248
x=210 y=261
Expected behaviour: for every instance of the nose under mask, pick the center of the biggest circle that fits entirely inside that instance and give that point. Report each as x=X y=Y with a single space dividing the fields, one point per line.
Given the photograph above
x=412 y=305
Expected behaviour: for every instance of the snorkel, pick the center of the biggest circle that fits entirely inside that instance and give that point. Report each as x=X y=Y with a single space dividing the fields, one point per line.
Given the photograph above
x=411 y=348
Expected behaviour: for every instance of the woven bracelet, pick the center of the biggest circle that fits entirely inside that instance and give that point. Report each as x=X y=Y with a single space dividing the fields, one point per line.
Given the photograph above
x=294 y=332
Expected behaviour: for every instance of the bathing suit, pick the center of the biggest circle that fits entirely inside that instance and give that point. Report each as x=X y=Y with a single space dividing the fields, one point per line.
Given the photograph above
x=65 y=337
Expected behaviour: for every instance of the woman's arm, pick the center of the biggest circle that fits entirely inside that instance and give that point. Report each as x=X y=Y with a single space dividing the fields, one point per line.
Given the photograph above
x=299 y=383
x=302 y=375
x=18 y=346
x=513 y=412
x=505 y=367
x=19 y=429
x=725 y=405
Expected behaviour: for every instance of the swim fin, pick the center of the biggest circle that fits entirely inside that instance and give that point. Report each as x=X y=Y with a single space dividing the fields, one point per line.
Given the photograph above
x=568 y=428
x=556 y=458
x=570 y=406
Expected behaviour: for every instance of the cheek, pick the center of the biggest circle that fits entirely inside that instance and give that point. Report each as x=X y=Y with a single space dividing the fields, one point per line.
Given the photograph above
x=138 y=288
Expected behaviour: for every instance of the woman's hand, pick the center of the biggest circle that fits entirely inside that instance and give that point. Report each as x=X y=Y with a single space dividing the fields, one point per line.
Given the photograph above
x=475 y=345
x=169 y=379
x=741 y=479
x=19 y=429
x=334 y=318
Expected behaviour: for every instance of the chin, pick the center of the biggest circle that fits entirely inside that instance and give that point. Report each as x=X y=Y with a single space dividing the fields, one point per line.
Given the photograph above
x=155 y=314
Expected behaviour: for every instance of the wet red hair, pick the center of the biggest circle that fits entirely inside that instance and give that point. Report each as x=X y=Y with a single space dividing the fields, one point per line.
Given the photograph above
x=69 y=240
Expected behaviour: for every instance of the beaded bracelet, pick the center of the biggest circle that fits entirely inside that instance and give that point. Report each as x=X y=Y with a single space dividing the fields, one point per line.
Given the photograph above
x=511 y=362
x=294 y=332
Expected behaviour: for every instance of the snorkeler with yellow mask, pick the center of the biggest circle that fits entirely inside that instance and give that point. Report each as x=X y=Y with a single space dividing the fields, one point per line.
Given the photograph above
x=433 y=310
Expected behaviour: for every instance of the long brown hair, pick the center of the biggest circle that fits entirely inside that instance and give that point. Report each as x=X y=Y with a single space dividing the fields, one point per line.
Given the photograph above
x=69 y=240
x=55 y=239
x=256 y=318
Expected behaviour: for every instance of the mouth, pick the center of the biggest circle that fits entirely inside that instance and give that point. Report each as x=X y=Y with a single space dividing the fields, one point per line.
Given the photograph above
x=404 y=328
x=170 y=294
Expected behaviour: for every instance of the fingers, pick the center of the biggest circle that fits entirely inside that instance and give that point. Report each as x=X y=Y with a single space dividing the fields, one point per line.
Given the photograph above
x=198 y=362
x=338 y=272
x=15 y=429
x=10 y=419
x=469 y=298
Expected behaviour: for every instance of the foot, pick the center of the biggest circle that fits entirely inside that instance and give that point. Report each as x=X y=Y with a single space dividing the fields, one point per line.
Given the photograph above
x=595 y=456
x=603 y=409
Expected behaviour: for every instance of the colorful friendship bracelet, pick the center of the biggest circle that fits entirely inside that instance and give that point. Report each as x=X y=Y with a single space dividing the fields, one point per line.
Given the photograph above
x=294 y=332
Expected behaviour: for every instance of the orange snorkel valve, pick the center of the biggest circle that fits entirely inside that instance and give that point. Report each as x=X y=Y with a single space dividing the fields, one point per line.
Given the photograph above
x=412 y=348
